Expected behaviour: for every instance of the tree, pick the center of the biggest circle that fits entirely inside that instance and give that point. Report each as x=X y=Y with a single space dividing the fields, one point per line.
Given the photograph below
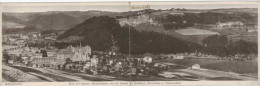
x=44 y=53
x=215 y=40
x=19 y=58
x=216 y=45
x=178 y=22
x=243 y=47
x=68 y=60
x=6 y=57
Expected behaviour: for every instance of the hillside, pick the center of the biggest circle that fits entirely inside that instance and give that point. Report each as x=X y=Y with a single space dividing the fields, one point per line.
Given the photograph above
x=53 y=20
x=66 y=19
x=11 y=19
x=97 y=33
x=236 y=10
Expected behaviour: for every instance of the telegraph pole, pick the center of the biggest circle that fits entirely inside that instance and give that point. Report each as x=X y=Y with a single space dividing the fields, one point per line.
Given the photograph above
x=129 y=30
x=129 y=50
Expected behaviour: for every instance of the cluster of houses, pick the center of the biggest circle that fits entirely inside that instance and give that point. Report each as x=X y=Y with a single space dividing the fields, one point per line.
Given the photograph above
x=235 y=25
x=136 y=20
x=220 y=25
x=57 y=57
x=187 y=55
x=42 y=57
x=148 y=18
x=229 y=25
x=16 y=46
x=20 y=39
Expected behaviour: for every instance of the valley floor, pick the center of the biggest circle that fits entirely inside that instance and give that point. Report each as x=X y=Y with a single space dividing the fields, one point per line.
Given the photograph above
x=180 y=71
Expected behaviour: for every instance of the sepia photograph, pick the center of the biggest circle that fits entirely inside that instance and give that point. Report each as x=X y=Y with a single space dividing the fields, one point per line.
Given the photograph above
x=129 y=42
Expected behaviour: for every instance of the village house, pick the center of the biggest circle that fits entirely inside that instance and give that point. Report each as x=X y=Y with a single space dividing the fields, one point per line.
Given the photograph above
x=252 y=29
x=11 y=40
x=52 y=52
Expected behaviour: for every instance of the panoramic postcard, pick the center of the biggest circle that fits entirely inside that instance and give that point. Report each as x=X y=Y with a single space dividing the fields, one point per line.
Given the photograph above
x=127 y=42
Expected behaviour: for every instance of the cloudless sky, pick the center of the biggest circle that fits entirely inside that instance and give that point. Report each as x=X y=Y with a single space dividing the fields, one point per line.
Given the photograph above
x=114 y=8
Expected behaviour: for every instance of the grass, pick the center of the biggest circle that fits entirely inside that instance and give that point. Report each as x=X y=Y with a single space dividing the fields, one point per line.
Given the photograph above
x=223 y=78
x=8 y=78
x=221 y=65
x=238 y=67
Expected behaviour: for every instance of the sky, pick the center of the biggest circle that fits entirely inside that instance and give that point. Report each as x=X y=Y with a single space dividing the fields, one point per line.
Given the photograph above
x=114 y=8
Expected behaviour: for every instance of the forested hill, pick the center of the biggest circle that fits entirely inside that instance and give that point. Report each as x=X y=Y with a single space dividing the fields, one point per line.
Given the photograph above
x=207 y=18
x=53 y=20
x=63 y=20
x=97 y=32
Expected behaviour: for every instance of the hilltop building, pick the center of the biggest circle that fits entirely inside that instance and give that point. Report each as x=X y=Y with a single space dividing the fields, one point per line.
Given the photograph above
x=136 y=20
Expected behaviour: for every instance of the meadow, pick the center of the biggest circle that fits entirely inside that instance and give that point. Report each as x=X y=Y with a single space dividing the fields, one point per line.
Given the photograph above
x=242 y=67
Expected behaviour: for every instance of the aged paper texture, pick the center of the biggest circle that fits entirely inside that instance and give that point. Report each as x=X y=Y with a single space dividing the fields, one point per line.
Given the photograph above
x=130 y=44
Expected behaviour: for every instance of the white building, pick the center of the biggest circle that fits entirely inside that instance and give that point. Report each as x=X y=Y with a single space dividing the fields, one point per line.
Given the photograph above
x=24 y=37
x=75 y=53
x=36 y=56
x=228 y=24
x=133 y=21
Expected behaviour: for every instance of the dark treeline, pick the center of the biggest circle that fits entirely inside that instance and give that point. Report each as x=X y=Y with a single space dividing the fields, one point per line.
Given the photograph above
x=219 y=45
x=63 y=45
x=189 y=19
x=152 y=42
x=47 y=32
x=14 y=30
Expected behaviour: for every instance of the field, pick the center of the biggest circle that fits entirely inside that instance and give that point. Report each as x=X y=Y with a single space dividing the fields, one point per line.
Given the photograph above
x=242 y=67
